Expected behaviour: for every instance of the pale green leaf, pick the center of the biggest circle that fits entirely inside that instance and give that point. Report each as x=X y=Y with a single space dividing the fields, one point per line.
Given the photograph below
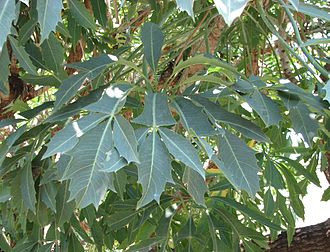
x=125 y=140
x=88 y=183
x=80 y=13
x=153 y=39
x=186 y=5
x=90 y=70
x=156 y=111
x=49 y=15
x=53 y=53
x=244 y=126
x=265 y=107
x=67 y=138
x=113 y=161
x=26 y=2
x=240 y=164
x=327 y=91
x=316 y=41
x=295 y=4
x=196 y=185
x=154 y=171
x=312 y=10
x=28 y=191
x=230 y=9
x=304 y=122
x=112 y=100
x=22 y=56
x=182 y=150
x=193 y=118
x=7 y=15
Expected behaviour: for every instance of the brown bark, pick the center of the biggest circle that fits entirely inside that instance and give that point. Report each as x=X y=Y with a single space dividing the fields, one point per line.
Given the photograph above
x=315 y=238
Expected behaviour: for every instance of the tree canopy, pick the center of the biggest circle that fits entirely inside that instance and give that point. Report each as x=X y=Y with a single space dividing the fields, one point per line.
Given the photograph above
x=160 y=125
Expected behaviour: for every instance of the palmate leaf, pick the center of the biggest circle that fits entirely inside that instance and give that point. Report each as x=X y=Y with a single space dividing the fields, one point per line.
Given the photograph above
x=235 y=121
x=153 y=39
x=239 y=163
x=49 y=15
x=182 y=150
x=230 y=9
x=156 y=111
x=7 y=15
x=193 y=118
x=125 y=140
x=88 y=183
x=154 y=171
x=67 y=138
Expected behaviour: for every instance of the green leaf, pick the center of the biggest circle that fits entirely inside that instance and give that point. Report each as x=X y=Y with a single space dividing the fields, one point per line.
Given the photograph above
x=303 y=122
x=186 y=5
x=206 y=60
x=240 y=164
x=230 y=9
x=125 y=140
x=80 y=13
x=9 y=142
x=242 y=125
x=301 y=170
x=156 y=111
x=154 y=171
x=295 y=4
x=4 y=70
x=48 y=195
x=327 y=91
x=238 y=228
x=312 y=10
x=53 y=53
x=326 y=195
x=26 y=2
x=100 y=11
x=112 y=101
x=269 y=203
x=27 y=30
x=67 y=138
x=153 y=39
x=316 y=41
x=64 y=207
x=196 y=185
x=182 y=150
x=114 y=161
x=273 y=176
x=22 y=56
x=7 y=15
x=27 y=187
x=88 y=183
x=49 y=14
x=43 y=80
x=265 y=107
x=193 y=118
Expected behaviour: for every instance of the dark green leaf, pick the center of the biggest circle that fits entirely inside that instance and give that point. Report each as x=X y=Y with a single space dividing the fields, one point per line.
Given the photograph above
x=80 y=13
x=7 y=15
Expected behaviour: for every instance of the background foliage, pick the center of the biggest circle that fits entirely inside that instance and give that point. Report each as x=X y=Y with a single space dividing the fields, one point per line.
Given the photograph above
x=160 y=125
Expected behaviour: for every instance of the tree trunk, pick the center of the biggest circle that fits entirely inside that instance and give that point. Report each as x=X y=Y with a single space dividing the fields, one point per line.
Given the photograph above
x=315 y=238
